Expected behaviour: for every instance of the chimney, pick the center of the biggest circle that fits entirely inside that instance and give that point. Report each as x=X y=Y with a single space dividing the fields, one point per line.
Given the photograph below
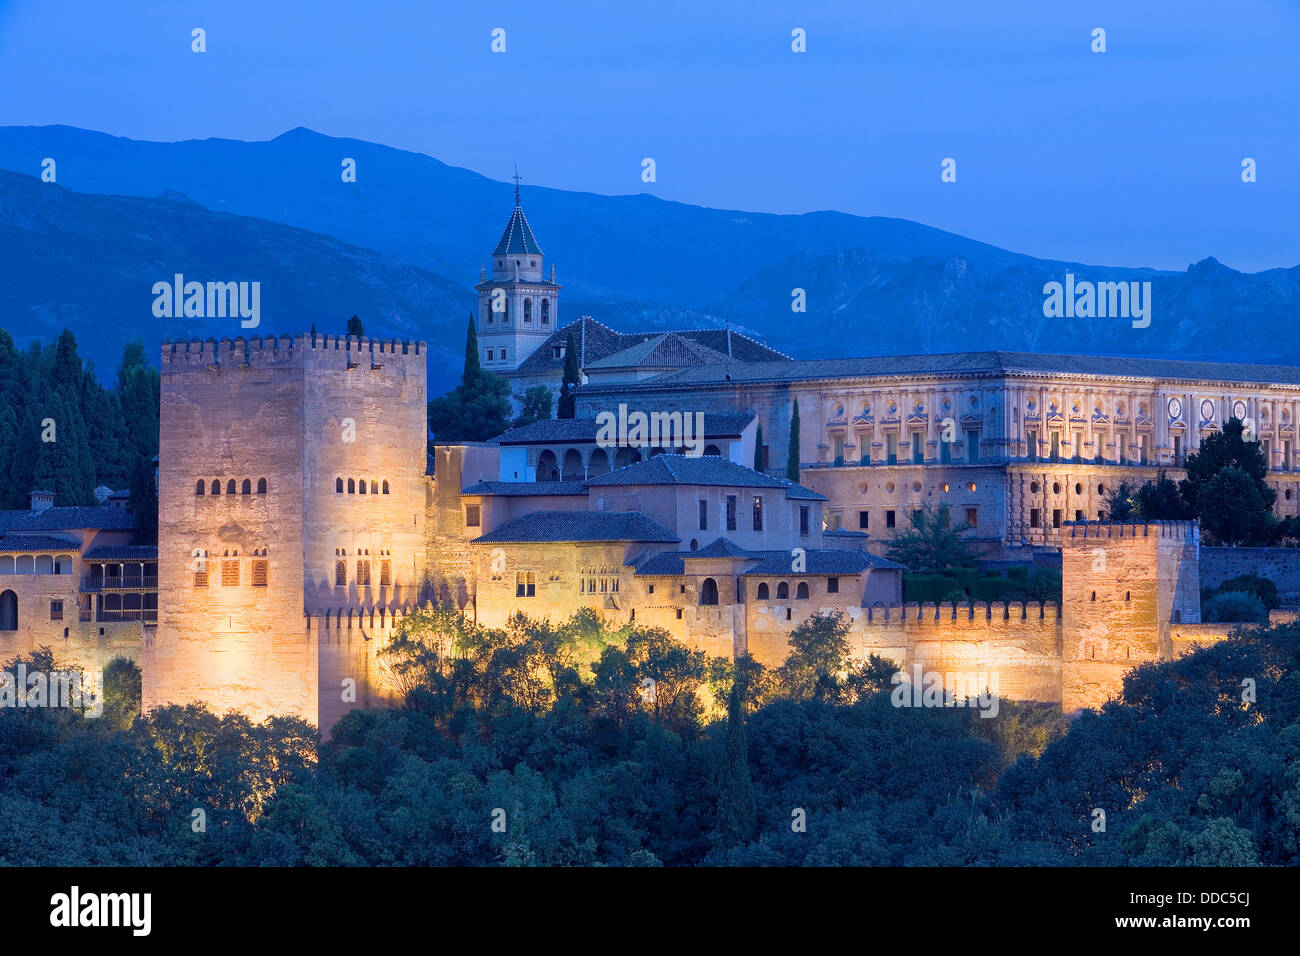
x=42 y=500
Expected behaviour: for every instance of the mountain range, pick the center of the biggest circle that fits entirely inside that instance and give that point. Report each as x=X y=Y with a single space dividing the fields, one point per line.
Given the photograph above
x=402 y=247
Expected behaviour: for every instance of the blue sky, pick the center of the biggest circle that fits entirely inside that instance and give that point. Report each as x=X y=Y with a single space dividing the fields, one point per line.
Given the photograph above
x=1128 y=157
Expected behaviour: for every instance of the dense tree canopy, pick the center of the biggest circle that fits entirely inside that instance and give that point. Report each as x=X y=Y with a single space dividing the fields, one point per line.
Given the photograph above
x=62 y=430
x=616 y=747
x=478 y=408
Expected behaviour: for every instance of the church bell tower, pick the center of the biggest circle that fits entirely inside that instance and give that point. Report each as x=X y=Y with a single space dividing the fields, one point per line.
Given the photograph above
x=517 y=305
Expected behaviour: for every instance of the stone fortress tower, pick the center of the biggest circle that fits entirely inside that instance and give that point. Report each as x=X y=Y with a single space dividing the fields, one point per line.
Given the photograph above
x=517 y=306
x=291 y=520
x=1127 y=589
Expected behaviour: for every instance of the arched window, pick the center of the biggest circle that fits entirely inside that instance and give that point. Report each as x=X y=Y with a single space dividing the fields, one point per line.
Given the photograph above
x=546 y=312
x=8 y=611
x=528 y=311
x=783 y=591
x=261 y=486
x=246 y=488
x=385 y=486
x=374 y=487
x=361 y=486
x=216 y=487
x=801 y=592
x=198 y=489
x=338 y=486
x=230 y=486
x=352 y=486
x=709 y=591
x=762 y=591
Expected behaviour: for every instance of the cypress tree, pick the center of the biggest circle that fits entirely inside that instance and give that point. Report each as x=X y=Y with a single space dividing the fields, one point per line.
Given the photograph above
x=469 y=379
x=355 y=327
x=737 y=810
x=792 y=459
x=144 y=501
x=758 y=448
x=572 y=376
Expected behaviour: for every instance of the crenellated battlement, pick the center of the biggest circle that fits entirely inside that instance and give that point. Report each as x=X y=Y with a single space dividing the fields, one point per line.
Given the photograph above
x=930 y=613
x=1187 y=531
x=282 y=349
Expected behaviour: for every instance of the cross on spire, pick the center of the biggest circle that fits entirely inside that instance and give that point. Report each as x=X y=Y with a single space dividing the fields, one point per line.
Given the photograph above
x=517 y=178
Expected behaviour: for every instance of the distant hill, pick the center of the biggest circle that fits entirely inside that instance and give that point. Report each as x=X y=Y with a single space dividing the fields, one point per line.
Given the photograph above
x=873 y=285
x=89 y=263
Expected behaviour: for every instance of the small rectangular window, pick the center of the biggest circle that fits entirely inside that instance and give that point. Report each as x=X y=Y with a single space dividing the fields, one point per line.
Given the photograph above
x=972 y=446
x=758 y=512
x=230 y=574
x=56 y=610
x=1078 y=515
x=652 y=589
x=972 y=517
x=731 y=512
x=1033 y=517
x=201 y=578
x=1031 y=444
x=363 y=573
x=259 y=574
x=864 y=519
x=803 y=520
x=340 y=574
x=471 y=516
x=1056 y=517
x=704 y=515
x=889 y=519
x=385 y=574
x=526 y=584
x=832 y=585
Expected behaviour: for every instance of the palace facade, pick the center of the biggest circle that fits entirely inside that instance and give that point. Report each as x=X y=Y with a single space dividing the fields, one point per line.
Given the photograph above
x=1017 y=444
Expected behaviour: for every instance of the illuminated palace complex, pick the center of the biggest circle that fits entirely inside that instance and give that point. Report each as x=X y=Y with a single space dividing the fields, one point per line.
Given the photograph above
x=303 y=514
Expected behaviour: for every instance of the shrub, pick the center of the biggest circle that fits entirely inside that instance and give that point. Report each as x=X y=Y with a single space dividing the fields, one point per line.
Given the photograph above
x=1262 y=588
x=1234 y=606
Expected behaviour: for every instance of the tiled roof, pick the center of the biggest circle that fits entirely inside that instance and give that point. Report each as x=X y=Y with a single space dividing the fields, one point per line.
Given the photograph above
x=721 y=548
x=704 y=470
x=574 y=430
x=964 y=363
x=665 y=351
x=768 y=564
x=664 y=564
x=525 y=488
x=518 y=237
x=596 y=341
x=102 y=518
x=124 y=552
x=776 y=564
x=11 y=543
x=581 y=526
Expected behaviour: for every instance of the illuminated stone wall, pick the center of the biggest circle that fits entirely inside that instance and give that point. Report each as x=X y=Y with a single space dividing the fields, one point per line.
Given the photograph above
x=298 y=412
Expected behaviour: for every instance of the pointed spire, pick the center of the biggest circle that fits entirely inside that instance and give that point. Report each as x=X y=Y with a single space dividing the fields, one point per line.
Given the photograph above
x=517 y=184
